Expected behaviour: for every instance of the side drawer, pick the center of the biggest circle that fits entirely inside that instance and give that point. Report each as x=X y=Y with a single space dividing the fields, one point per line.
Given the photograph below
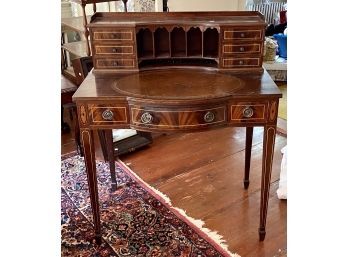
x=114 y=35
x=240 y=33
x=177 y=119
x=249 y=111
x=107 y=114
x=240 y=62
x=241 y=48
x=114 y=49
x=111 y=63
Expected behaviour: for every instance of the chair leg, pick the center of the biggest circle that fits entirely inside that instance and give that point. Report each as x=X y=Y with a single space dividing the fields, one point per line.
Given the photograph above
x=111 y=157
x=248 y=145
x=71 y=113
x=64 y=126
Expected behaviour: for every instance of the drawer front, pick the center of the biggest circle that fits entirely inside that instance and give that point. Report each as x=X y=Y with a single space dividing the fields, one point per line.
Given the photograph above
x=240 y=33
x=112 y=63
x=240 y=62
x=241 y=48
x=249 y=112
x=114 y=35
x=105 y=114
x=177 y=119
x=114 y=49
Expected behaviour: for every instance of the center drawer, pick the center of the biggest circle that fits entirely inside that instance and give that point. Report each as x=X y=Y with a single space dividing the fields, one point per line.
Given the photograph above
x=168 y=119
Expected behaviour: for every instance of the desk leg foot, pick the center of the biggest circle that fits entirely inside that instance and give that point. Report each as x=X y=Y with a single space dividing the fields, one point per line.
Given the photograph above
x=113 y=187
x=246 y=184
x=262 y=234
x=88 y=149
x=98 y=239
x=111 y=158
x=248 y=145
x=267 y=159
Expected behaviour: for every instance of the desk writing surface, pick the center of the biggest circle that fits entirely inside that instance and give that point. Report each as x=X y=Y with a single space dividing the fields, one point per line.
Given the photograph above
x=177 y=84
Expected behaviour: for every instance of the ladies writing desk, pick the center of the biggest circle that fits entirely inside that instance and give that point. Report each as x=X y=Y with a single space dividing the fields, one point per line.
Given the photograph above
x=178 y=72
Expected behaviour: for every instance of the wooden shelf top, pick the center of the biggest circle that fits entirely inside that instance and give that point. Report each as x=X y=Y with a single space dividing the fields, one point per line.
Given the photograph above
x=77 y=48
x=75 y=23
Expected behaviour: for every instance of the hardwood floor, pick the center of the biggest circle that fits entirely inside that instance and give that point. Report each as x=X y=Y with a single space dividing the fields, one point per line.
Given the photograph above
x=202 y=173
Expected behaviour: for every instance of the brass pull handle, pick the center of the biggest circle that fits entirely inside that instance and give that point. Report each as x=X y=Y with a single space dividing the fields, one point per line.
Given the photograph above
x=241 y=49
x=114 y=50
x=248 y=112
x=241 y=62
x=242 y=35
x=113 y=36
x=108 y=115
x=115 y=63
x=209 y=117
x=146 y=118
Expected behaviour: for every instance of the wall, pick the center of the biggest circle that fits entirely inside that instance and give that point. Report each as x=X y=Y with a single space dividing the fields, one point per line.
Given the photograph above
x=206 y=5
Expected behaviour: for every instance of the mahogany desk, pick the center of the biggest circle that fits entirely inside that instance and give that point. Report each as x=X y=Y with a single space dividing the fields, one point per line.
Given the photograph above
x=179 y=100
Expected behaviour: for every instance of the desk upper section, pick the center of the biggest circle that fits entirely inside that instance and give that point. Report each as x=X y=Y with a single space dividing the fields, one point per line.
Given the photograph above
x=129 y=42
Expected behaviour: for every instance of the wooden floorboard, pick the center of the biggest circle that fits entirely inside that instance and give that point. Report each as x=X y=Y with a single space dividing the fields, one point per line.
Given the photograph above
x=202 y=173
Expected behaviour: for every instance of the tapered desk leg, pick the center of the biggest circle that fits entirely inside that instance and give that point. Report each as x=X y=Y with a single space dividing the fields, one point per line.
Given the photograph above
x=111 y=158
x=267 y=159
x=89 y=153
x=248 y=145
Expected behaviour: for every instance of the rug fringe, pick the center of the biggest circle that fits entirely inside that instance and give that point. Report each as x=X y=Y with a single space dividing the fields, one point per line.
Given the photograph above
x=213 y=235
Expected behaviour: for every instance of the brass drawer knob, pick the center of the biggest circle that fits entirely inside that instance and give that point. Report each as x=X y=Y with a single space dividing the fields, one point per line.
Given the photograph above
x=242 y=35
x=114 y=50
x=209 y=117
x=248 y=112
x=146 y=118
x=241 y=62
x=115 y=63
x=108 y=115
x=241 y=49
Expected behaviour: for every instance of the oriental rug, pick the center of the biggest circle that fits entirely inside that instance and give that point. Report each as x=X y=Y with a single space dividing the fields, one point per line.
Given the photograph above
x=137 y=220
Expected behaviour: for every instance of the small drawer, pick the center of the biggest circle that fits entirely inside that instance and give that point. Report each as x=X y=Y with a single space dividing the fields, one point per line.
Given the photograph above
x=117 y=35
x=241 y=48
x=111 y=63
x=107 y=114
x=253 y=112
x=240 y=62
x=115 y=49
x=242 y=34
x=177 y=119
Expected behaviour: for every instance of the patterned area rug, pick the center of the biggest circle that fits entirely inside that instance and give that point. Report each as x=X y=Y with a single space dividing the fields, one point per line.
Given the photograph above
x=136 y=219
